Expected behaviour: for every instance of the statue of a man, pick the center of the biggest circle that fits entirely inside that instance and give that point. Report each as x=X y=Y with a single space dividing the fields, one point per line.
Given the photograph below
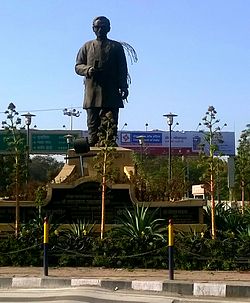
x=103 y=64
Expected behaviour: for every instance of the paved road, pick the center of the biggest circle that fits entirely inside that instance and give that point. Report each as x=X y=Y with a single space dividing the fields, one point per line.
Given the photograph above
x=88 y=295
x=97 y=295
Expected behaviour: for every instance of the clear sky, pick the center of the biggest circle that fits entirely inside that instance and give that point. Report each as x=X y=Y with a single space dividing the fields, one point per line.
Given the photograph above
x=192 y=54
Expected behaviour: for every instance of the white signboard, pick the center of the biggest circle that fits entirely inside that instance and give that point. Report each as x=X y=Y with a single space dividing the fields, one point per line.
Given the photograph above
x=193 y=141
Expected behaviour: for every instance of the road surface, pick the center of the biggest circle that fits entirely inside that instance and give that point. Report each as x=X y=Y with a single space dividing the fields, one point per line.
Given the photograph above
x=98 y=295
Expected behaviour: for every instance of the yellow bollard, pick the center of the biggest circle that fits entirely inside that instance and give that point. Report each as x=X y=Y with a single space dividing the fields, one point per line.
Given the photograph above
x=45 y=245
x=171 y=249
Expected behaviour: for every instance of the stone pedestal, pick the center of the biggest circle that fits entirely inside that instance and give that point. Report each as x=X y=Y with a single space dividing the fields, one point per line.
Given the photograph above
x=82 y=165
x=79 y=184
x=76 y=194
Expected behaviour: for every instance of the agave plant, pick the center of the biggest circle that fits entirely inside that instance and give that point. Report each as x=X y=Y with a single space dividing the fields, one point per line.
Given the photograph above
x=140 y=224
x=76 y=237
x=229 y=219
x=80 y=228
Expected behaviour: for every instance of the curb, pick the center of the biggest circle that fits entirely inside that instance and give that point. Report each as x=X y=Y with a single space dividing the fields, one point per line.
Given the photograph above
x=171 y=287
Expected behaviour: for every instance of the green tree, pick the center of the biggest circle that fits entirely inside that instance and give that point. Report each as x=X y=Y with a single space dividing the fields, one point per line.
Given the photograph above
x=212 y=138
x=16 y=147
x=6 y=164
x=221 y=179
x=104 y=159
x=150 y=179
x=152 y=172
x=44 y=168
x=194 y=172
x=243 y=165
x=40 y=195
x=178 y=186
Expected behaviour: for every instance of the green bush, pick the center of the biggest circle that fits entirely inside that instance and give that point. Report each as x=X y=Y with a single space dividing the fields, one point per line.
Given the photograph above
x=191 y=252
x=136 y=245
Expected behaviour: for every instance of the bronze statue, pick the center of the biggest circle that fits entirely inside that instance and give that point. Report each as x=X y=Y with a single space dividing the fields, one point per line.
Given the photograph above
x=103 y=64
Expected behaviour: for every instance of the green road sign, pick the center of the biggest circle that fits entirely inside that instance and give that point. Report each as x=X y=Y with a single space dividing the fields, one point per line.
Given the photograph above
x=50 y=142
x=45 y=141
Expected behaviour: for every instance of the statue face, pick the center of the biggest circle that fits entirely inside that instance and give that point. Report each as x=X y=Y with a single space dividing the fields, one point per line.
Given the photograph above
x=101 y=28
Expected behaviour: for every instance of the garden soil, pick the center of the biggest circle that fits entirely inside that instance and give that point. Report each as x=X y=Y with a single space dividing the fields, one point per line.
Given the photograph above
x=125 y=274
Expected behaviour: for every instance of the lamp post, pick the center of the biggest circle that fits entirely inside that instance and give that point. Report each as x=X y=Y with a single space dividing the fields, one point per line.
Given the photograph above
x=71 y=113
x=176 y=124
x=124 y=125
x=142 y=185
x=28 y=117
x=141 y=143
x=69 y=139
x=170 y=119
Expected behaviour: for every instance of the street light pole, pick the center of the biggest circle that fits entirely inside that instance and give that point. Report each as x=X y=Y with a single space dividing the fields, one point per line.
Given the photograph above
x=71 y=113
x=124 y=125
x=141 y=143
x=142 y=185
x=170 y=119
x=69 y=139
x=28 y=117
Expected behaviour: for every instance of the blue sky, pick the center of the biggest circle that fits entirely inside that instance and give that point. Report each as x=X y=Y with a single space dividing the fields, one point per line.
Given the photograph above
x=192 y=54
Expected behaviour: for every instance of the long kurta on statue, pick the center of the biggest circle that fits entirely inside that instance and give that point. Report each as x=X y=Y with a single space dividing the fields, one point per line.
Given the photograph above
x=102 y=90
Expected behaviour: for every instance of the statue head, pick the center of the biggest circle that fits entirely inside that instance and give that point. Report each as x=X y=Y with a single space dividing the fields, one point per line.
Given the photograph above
x=101 y=26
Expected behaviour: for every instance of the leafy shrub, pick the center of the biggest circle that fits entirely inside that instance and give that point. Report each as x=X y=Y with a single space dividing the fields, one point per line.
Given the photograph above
x=137 y=243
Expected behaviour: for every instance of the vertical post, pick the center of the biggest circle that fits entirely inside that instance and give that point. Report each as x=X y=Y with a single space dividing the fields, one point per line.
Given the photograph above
x=17 y=220
x=45 y=246
x=81 y=165
x=231 y=179
x=27 y=153
x=212 y=206
x=103 y=194
x=69 y=139
x=243 y=195
x=103 y=207
x=170 y=154
x=71 y=122
x=212 y=170
x=170 y=118
x=171 y=249
x=28 y=140
x=71 y=113
x=28 y=117
x=142 y=183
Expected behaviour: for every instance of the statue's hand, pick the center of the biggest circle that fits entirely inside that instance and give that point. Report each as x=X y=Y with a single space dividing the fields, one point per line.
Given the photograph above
x=91 y=72
x=124 y=93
